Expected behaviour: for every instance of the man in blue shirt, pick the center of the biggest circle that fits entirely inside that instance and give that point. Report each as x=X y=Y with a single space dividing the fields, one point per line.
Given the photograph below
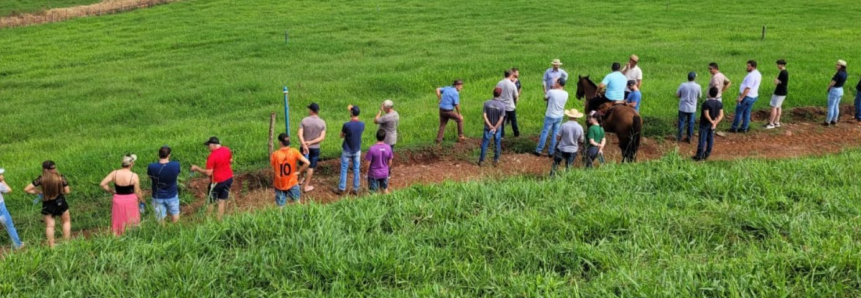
x=165 y=195
x=449 y=109
x=351 y=150
x=552 y=74
x=633 y=99
x=613 y=85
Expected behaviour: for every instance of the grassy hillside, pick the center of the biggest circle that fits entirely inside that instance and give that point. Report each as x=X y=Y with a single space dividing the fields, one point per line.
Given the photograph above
x=86 y=91
x=669 y=228
x=8 y=7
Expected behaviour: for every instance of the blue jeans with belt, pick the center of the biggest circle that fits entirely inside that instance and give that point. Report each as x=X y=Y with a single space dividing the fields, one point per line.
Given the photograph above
x=6 y=222
x=742 y=113
x=834 y=96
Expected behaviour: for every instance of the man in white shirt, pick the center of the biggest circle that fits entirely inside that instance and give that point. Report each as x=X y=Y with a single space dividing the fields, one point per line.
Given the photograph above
x=633 y=72
x=556 y=99
x=748 y=94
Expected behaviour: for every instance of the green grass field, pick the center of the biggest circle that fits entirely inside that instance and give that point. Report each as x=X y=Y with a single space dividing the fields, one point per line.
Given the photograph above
x=666 y=228
x=8 y=7
x=86 y=91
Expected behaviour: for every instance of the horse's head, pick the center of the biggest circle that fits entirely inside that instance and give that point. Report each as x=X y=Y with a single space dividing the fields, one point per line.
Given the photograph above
x=586 y=88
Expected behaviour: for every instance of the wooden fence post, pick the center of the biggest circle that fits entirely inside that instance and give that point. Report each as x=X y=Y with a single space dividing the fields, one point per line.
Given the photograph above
x=271 y=132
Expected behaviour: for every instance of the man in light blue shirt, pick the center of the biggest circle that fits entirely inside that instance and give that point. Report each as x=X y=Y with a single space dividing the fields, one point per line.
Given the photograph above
x=688 y=93
x=614 y=85
x=449 y=109
x=552 y=74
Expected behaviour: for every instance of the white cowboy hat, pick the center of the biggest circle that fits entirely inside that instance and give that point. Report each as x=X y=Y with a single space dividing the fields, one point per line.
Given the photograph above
x=573 y=113
x=556 y=62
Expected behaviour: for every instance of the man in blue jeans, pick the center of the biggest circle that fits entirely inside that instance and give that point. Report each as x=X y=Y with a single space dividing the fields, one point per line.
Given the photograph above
x=858 y=101
x=689 y=93
x=710 y=116
x=494 y=117
x=5 y=218
x=165 y=194
x=556 y=99
x=748 y=94
x=351 y=150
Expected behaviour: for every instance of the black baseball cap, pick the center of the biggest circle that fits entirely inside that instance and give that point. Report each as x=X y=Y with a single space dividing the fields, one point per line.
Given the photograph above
x=49 y=165
x=212 y=140
x=354 y=110
x=314 y=107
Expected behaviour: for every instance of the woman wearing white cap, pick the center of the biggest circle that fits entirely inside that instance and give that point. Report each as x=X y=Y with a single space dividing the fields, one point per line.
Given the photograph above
x=5 y=218
x=127 y=195
x=835 y=92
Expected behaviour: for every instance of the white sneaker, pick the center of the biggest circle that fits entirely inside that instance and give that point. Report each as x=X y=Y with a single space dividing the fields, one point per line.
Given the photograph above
x=777 y=124
x=770 y=126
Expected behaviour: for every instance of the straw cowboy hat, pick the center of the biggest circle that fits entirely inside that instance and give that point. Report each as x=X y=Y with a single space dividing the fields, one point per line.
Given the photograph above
x=841 y=62
x=556 y=62
x=573 y=113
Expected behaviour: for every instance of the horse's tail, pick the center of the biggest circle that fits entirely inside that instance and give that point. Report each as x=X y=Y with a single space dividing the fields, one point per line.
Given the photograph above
x=636 y=136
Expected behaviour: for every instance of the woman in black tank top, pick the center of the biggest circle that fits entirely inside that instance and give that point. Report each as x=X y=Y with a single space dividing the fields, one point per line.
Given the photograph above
x=126 y=195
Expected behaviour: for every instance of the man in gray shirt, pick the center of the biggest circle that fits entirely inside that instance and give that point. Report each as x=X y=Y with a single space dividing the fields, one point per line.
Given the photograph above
x=494 y=115
x=312 y=132
x=509 y=98
x=689 y=93
x=388 y=120
x=570 y=136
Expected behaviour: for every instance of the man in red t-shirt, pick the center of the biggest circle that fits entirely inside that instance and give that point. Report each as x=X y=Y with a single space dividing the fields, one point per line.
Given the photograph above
x=219 y=171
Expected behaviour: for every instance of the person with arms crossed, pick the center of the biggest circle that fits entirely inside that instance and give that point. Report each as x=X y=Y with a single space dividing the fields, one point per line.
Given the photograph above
x=781 y=82
x=53 y=188
x=388 y=119
x=493 y=115
x=748 y=94
x=218 y=169
x=5 y=217
x=285 y=164
x=312 y=132
x=351 y=150
x=379 y=160
x=126 y=196
x=509 y=98
x=449 y=109
x=165 y=192
x=689 y=93
x=710 y=117
x=613 y=85
x=835 y=93
x=556 y=99
x=570 y=136
x=718 y=80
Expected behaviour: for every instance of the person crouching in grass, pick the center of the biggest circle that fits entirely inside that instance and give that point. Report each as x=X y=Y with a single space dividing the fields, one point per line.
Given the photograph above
x=285 y=163
x=379 y=160
x=711 y=115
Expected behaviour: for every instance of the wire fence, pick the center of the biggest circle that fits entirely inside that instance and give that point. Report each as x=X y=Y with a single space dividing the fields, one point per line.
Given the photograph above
x=62 y=14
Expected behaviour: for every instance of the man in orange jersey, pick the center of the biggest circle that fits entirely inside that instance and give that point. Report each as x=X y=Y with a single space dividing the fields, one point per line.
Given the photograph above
x=285 y=163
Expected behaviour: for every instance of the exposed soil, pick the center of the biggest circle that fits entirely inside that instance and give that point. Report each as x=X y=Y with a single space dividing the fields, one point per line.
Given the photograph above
x=61 y=14
x=801 y=135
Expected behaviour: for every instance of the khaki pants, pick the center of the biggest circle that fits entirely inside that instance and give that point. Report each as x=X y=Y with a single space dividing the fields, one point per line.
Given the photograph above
x=444 y=117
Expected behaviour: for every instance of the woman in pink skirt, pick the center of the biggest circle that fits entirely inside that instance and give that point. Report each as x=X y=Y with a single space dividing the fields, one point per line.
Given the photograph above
x=127 y=195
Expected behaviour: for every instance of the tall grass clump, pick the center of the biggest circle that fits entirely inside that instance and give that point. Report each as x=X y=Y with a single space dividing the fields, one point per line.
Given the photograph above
x=669 y=228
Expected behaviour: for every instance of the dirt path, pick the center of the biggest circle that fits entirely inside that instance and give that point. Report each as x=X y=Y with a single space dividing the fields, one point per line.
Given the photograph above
x=65 y=13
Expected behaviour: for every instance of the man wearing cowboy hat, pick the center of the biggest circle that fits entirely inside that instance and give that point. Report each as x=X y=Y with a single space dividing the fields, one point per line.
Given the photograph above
x=552 y=74
x=569 y=137
x=632 y=72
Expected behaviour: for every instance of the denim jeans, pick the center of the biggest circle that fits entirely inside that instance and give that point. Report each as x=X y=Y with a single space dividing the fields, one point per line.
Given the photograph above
x=591 y=155
x=511 y=117
x=497 y=143
x=6 y=222
x=551 y=125
x=281 y=195
x=742 y=113
x=568 y=157
x=348 y=158
x=857 y=105
x=163 y=207
x=834 y=104
x=685 y=120
x=707 y=140
x=377 y=184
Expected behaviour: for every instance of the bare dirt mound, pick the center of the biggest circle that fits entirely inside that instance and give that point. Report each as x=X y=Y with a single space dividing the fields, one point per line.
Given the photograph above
x=61 y=14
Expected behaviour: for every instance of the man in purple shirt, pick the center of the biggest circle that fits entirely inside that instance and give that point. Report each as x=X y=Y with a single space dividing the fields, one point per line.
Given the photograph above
x=379 y=160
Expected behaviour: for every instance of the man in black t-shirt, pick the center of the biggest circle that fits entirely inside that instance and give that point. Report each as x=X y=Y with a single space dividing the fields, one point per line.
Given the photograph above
x=781 y=82
x=711 y=114
x=858 y=101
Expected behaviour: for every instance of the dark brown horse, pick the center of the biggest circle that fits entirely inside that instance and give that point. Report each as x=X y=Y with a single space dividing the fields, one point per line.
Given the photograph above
x=624 y=121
